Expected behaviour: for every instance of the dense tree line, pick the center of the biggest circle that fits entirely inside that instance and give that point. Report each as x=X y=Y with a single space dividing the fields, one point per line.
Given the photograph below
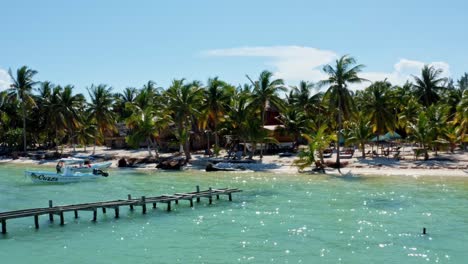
x=430 y=110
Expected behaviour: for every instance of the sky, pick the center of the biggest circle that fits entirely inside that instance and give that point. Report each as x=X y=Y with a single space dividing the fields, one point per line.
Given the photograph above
x=127 y=43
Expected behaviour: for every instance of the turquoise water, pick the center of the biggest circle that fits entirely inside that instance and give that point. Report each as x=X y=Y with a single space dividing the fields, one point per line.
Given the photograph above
x=277 y=219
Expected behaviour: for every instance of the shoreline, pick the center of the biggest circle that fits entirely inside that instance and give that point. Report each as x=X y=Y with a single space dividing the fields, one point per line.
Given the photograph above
x=445 y=165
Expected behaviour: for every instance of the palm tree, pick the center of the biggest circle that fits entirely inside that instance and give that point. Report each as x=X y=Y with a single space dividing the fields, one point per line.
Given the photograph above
x=318 y=141
x=145 y=124
x=217 y=98
x=128 y=95
x=294 y=122
x=184 y=102
x=21 y=88
x=302 y=97
x=100 y=110
x=360 y=131
x=461 y=118
x=68 y=108
x=85 y=133
x=265 y=91
x=338 y=96
x=422 y=132
x=427 y=87
x=378 y=105
x=239 y=114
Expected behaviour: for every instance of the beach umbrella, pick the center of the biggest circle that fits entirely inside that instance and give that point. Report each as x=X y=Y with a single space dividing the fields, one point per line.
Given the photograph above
x=392 y=135
x=380 y=138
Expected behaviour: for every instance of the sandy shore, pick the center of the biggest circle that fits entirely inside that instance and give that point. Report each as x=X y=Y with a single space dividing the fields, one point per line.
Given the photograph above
x=444 y=165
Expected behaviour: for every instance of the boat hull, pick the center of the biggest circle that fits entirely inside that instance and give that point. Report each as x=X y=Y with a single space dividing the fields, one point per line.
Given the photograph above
x=51 y=177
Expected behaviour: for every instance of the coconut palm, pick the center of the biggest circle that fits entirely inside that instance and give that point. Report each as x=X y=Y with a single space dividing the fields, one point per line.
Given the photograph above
x=295 y=123
x=360 y=131
x=428 y=87
x=302 y=97
x=217 y=97
x=338 y=96
x=422 y=132
x=184 y=102
x=239 y=113
x=69 y=107
x=86 y=131
x=378 y=106
x=461 y=118
x=265 y=91
x=128 y=95
x=145 y=125
x=21 y=88
x=318 y=141
x=100 y=110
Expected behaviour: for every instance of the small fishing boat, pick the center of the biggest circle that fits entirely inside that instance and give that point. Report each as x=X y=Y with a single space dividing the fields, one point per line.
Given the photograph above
x=70 y=170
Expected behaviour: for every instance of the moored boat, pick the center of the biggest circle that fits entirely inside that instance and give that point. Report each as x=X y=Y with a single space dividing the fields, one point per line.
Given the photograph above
x=70 y=170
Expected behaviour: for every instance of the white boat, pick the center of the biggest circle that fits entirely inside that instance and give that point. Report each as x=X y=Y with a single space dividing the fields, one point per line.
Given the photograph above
x=70 y=170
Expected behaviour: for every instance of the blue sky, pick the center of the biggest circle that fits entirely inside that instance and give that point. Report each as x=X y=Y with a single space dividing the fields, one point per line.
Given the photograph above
x=127 y=43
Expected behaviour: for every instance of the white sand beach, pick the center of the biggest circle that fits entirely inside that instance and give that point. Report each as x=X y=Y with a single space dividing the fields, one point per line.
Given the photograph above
x=443 y=165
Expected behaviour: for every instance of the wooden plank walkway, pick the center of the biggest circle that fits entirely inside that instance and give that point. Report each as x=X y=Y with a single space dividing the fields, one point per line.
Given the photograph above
x=115 y=205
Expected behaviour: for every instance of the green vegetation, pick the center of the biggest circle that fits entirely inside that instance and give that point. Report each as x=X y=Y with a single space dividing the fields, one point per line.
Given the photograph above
x=431 y=111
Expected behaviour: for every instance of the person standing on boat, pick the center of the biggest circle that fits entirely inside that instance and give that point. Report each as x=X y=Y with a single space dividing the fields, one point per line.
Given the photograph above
x=59 y=166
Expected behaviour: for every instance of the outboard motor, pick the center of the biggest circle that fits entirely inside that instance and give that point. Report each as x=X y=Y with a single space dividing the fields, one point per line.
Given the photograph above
x=100 y=172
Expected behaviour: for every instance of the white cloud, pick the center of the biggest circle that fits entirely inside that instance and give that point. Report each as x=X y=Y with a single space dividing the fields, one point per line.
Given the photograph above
x=296 y=63
x=291 y=63
x=5 y=80
x=404 y=70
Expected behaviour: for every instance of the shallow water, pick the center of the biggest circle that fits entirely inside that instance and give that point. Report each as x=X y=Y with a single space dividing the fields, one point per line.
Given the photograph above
x=277 y=219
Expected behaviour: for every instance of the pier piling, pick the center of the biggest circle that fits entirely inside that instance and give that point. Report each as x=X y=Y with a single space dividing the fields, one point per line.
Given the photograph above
x=143 y=206
x=130 y=198
x=51 y=215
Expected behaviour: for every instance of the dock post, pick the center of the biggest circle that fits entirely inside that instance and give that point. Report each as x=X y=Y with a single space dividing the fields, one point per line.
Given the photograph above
x=51 y=215
x=191 y=202
x=217 y=197
x=76 y=213
x=211 y=197
x=177 y=201
x=169 y=206
x=36 y=221
x=230 y=197
x=154 y=205
x=116 y=212
x=198 y=190
x=62 y=221
x=103 y=210
x=3 y=226
x=94 y=214
x=131 y=206
x=143 y=206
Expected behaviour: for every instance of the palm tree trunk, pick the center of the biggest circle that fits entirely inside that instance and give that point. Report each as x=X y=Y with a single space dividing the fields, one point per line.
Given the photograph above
x=187 y=149
x=95 y=143
x=154 y=144
x=148 y=142
x=363 y=150
x=24 y=126
x=216 y=137
x=263 y=124
x=338 y=136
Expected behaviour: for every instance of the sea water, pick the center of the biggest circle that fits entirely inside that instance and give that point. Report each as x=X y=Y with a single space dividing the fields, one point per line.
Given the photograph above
x=278 y=218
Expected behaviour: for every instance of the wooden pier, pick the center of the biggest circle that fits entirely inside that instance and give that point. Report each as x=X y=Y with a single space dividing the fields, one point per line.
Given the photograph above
x=115 y=205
